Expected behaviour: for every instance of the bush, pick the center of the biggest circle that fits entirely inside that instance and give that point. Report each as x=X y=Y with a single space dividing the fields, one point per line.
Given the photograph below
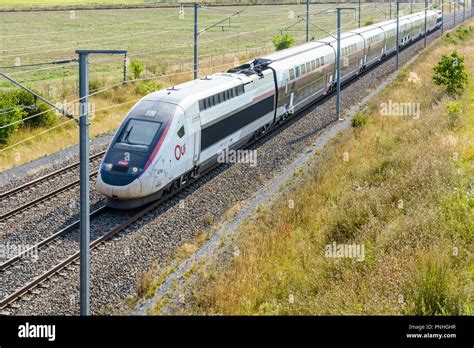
x=283 y=41
x=453 y=114
x=451 y=73
x=147 y=87
x=463 y=32
x=95 y=85
x=369 y=22
x=18 y=105
x=138 y=67
x=6 y=118
x=46 y=119
x=359 y=120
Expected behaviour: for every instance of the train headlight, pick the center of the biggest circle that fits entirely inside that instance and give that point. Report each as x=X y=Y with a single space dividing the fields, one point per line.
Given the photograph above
x=134 y=170
x=108 y=166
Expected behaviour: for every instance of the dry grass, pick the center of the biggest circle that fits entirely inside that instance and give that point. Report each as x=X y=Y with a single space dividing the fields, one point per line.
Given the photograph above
x=404 y=194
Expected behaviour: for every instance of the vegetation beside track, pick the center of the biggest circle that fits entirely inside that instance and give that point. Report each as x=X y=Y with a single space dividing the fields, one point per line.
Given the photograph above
x=401 y=187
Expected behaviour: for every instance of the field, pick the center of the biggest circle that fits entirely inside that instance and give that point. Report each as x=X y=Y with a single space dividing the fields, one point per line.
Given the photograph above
x=161 y=38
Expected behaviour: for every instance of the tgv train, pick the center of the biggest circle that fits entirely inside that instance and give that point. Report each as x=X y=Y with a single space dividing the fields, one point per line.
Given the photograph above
x=174 y=135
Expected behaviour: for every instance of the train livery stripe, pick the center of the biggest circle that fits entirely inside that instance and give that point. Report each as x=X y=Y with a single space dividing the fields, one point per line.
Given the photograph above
x=231 y=124
x=158 y=145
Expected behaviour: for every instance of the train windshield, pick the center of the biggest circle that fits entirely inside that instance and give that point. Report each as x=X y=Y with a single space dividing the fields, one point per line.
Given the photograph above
x=138 y=132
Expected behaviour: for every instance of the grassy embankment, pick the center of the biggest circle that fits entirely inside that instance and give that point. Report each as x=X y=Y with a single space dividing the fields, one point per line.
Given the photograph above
x=401 y=187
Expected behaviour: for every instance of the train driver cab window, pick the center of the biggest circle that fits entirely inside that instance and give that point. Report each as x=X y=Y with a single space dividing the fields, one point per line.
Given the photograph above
x=181 y=132
x=138 y=132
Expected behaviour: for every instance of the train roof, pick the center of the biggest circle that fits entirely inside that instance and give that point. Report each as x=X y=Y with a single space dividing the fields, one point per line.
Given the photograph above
x=187 y=92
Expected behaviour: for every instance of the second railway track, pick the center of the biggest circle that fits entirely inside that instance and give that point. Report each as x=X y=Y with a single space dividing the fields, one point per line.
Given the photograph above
x=14 y=202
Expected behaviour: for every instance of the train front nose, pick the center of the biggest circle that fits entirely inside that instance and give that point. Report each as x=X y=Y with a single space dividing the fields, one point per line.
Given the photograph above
x=119 y=185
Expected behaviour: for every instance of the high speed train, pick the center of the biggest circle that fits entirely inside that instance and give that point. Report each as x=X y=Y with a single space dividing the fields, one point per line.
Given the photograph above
x=174 y=135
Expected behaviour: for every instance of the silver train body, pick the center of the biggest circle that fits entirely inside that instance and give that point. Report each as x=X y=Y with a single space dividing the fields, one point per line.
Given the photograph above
x=173 y=135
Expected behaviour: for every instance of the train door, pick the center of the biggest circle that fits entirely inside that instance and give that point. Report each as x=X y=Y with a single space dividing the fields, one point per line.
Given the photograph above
x=193 y=141
x=180 y=147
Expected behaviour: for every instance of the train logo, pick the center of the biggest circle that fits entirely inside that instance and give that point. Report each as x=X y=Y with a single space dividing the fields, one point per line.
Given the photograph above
x=179 y=151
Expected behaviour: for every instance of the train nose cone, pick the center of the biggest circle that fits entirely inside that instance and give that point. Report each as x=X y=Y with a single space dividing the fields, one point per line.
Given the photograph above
x=132 y=190
x=129 y=191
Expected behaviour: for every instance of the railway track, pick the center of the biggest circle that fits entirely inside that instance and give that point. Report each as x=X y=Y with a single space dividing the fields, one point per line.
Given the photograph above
x=73 y=258
x=36 y=184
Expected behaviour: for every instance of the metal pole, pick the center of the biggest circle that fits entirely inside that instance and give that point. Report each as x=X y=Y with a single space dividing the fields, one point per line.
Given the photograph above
x=307 y=20
x=125 y=68
x=196 y=34
x=454 y=6
x=84 y=184
x=390 y=5
x=464 y=10
x=442 y=17
x=338 y=63
x=426 y=19
x=84 y=241
x=398 y=34
x=359 y=13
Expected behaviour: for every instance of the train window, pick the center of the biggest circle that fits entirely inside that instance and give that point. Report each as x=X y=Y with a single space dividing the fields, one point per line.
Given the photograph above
x=297 y=70
x=308 y=67
x=303 y=69
x=181 y=132
x=292 y=74
x=240 y=90
x=313 y=64
x=318 y=62
x=201 y=104
x=138 y=132
x=322 y=60
x=231 y=92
